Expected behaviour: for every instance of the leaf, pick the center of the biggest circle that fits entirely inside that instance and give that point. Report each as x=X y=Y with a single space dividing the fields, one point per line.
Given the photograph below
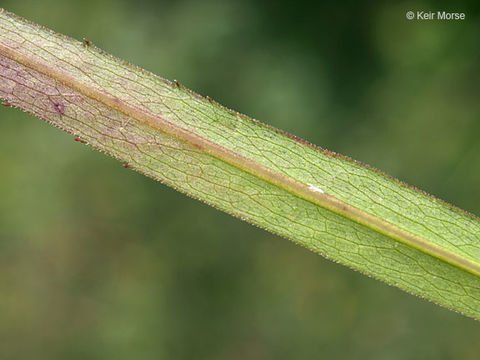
x=337 y=207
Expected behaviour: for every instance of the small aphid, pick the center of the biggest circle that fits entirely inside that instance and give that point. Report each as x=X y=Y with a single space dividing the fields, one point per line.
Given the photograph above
x=127 y=166
x=86 y=42
x=80 y=140
x=7 y=104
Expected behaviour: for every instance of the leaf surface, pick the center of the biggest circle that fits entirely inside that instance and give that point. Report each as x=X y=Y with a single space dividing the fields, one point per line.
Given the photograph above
x=337 y=207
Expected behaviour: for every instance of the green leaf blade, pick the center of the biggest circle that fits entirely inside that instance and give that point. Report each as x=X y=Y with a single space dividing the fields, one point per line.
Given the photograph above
x=330 y=204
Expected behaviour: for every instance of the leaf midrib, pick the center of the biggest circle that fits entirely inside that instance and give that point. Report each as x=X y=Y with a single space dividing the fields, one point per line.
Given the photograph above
x=295 y=187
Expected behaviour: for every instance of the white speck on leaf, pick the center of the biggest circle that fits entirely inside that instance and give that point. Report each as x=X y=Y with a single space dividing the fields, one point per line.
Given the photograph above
x=315 y=188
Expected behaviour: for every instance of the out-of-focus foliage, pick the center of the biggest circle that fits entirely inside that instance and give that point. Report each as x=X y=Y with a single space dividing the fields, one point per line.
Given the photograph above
x=98 y=262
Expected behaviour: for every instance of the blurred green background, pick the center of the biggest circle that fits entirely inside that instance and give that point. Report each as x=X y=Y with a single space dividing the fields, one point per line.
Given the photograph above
x=99 y=262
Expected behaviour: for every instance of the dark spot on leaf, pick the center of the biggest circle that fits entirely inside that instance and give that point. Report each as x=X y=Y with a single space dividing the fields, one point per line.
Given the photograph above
x=198 y=146
x=59 y=107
